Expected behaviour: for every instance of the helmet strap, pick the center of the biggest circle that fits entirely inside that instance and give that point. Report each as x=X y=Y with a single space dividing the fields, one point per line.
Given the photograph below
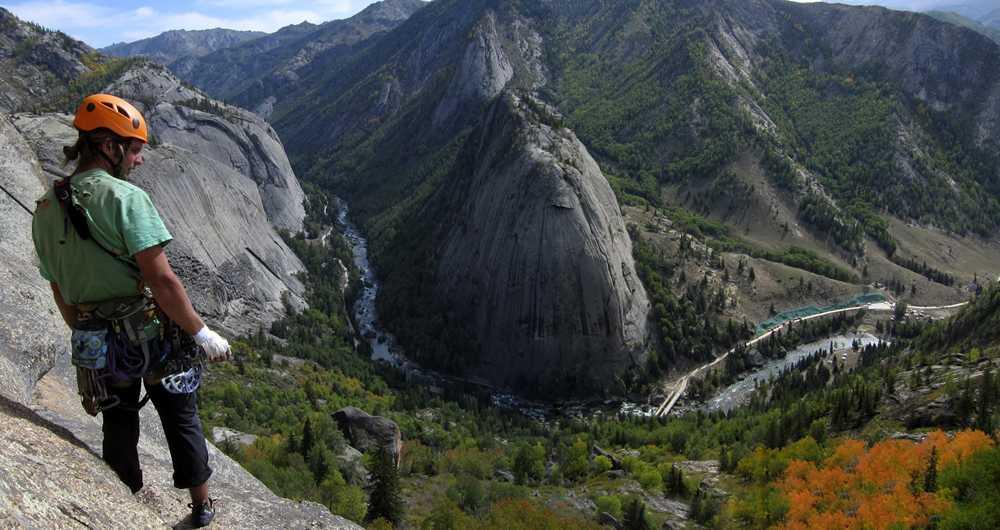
x=116 y=167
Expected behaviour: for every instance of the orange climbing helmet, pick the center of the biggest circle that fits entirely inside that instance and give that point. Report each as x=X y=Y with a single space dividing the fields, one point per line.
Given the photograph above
x=112 y=113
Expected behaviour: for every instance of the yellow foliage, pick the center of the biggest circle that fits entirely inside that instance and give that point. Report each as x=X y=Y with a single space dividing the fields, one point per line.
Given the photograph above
x=878 y=488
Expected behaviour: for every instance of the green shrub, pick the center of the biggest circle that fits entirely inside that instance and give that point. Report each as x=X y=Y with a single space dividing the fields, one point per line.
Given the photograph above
x=610 y=504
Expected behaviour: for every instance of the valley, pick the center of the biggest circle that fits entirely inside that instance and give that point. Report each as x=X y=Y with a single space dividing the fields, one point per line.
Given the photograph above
x=638 y=264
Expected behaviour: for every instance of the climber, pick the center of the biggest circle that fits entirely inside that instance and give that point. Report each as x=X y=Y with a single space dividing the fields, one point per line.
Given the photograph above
x=100 y=241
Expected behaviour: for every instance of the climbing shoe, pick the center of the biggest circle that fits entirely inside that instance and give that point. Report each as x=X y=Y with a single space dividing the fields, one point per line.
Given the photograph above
x=202 y=514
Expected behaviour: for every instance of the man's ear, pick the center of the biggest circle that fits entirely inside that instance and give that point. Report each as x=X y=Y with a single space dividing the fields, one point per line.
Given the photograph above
x=106 y=147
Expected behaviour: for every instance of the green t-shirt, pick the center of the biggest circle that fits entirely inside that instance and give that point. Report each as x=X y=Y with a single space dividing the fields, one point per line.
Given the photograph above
x=121 y=218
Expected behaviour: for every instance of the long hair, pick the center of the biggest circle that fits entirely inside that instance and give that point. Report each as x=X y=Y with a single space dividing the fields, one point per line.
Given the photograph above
x=85 y=150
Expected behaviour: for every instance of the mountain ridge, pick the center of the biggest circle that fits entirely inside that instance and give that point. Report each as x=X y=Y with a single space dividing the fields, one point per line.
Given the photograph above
x=624 y=77
x=253 y=74
x=172 y=45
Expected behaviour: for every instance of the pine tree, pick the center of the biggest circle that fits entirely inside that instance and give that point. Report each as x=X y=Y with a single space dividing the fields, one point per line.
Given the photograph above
x=385 y=500
x=984 y=409
x=307 y=438
x=965 y=403
x=675 y=482
x=635 y=516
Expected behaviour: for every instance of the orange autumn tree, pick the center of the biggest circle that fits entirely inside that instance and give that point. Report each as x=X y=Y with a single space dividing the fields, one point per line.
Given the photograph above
x=877 y=488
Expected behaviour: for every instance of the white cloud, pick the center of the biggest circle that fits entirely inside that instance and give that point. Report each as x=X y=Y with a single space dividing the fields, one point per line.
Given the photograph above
x=261 y=21
x=101 y=25
x=65 y=16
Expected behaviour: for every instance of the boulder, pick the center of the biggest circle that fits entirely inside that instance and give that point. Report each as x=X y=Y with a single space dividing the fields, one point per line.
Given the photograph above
x=351 y=464
x=223 y=435
x=367 y=433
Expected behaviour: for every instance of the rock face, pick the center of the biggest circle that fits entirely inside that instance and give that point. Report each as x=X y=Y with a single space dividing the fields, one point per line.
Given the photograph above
x=60 y=430
x=945 y=66
x=35 y=63
x=538 y=265
x=234 y=265
x=51 y=474
x=483 y=72
x=367 y=433
x=52 y=480
x=169 y=46
x=229 y=135
x=256 y=74
x=32 y=332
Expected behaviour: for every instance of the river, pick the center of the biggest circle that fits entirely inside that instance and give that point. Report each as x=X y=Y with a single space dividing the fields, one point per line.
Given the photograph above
x=385 y=348
x=739 y=393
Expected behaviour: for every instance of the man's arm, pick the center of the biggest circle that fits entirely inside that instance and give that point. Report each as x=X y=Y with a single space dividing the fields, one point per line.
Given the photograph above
x=67 y=311
x=172 y=298
x=168 y=289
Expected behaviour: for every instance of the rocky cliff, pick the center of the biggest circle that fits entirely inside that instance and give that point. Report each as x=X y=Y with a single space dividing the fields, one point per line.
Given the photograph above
x=49 y=450
x=170 y=46
x=209 y=175
x=257 y=74
x=36 y=64
x=949 y=68
x=538 y=265
x=229 y=135
x=792 y=126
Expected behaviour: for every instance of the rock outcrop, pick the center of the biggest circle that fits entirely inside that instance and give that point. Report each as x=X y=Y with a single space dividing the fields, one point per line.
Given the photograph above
x=538 y=264
x=231 y=136
x=80 y=489
x=52 y=475
x=235 y=266
x=483 y=72
x=32 y=332
x=36 y=63
x=367 y=433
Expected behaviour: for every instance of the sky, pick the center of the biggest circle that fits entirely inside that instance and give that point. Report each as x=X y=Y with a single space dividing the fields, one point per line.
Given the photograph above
x=103 y=22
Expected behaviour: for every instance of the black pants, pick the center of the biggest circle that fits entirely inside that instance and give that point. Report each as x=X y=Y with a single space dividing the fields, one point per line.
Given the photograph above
x=179 y=416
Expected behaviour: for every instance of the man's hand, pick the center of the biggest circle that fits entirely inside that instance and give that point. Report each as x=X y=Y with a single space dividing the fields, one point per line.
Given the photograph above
x=214 y=345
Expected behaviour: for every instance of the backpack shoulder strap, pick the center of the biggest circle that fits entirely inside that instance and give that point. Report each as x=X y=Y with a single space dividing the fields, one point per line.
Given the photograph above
x=78 y=218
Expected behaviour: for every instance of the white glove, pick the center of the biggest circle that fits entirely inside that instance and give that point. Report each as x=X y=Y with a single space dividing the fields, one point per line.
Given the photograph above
x=214 y=345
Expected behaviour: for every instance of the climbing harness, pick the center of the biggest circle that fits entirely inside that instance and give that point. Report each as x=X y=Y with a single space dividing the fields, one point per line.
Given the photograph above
x=125 y=339
x=128 y=339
